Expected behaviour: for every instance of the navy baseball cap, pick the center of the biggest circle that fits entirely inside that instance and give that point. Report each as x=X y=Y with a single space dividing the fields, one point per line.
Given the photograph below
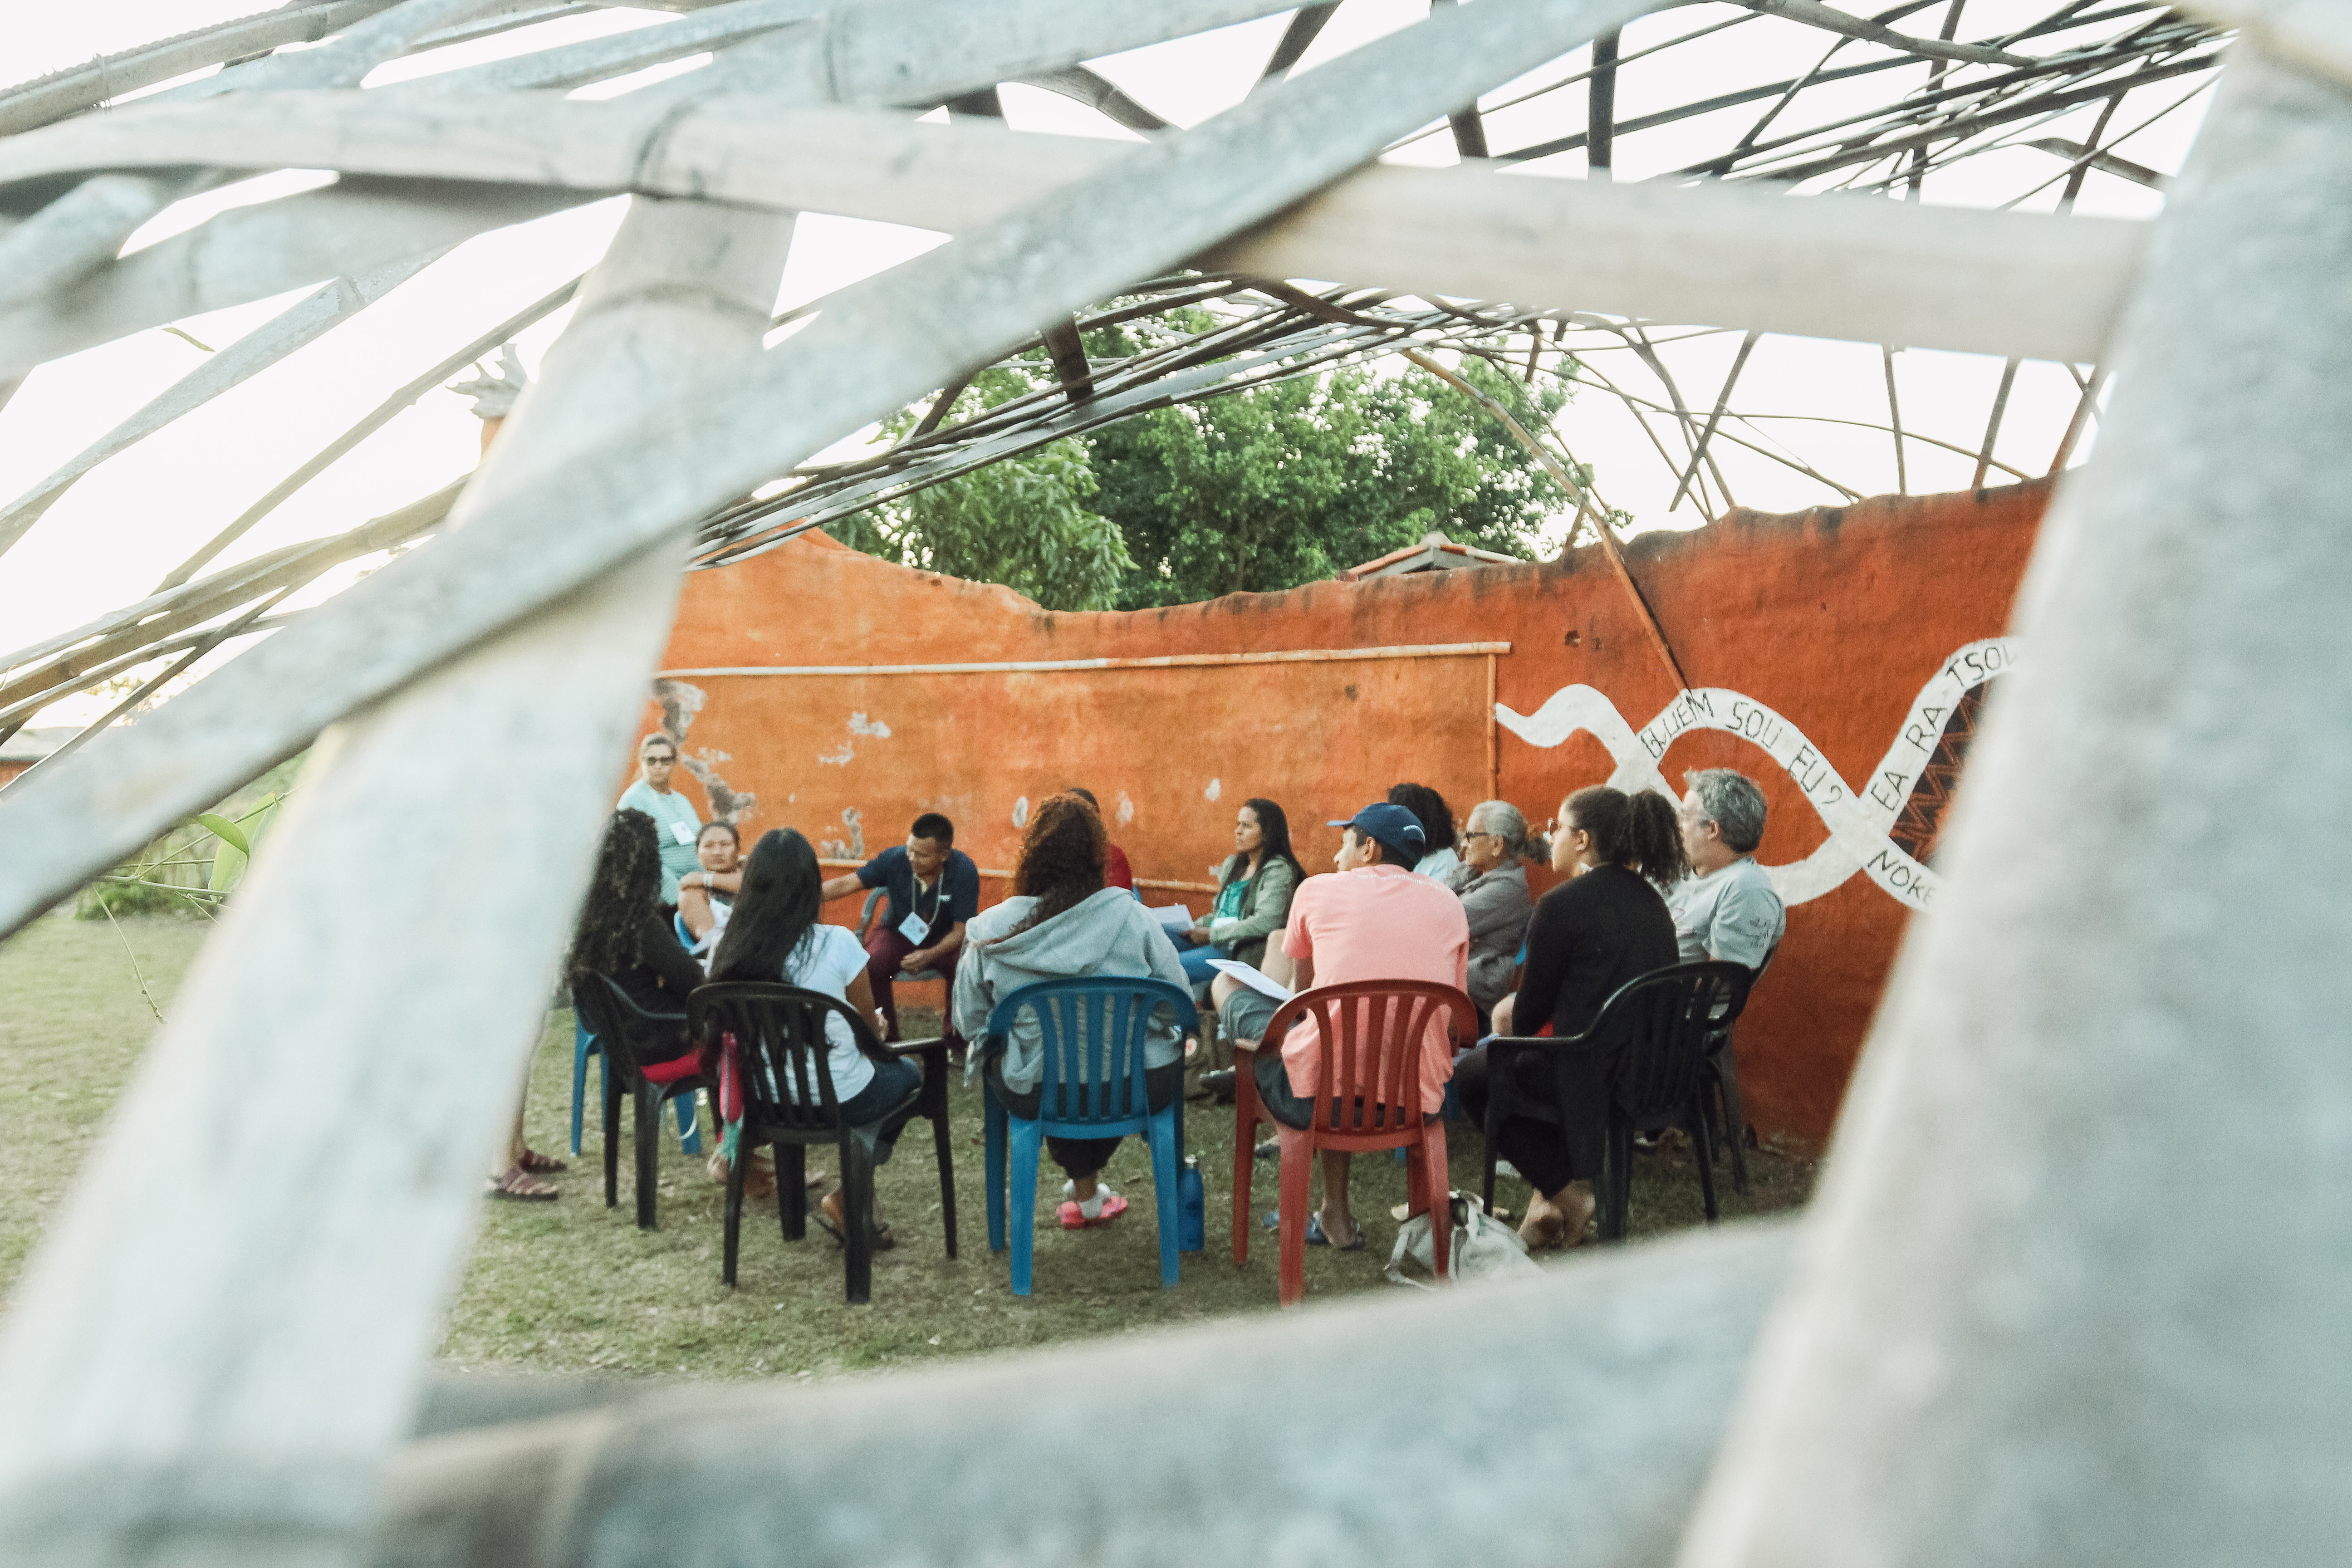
x=1392 y=825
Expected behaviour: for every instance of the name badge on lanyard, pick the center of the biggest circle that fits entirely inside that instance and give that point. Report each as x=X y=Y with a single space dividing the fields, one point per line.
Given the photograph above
x=915 y=928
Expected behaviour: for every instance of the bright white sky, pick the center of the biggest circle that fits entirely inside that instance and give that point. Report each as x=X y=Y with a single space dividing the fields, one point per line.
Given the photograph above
x=118 y=532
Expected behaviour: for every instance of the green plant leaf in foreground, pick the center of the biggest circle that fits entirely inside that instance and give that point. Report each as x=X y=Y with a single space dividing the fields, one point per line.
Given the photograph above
x=227 y=832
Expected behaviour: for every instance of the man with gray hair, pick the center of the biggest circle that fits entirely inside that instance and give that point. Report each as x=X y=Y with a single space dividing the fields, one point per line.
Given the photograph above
x=1727 y=908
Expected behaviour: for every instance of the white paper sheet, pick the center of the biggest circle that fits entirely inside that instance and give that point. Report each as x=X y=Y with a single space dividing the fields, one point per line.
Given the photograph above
x=1175 y=917
x=1253 y=979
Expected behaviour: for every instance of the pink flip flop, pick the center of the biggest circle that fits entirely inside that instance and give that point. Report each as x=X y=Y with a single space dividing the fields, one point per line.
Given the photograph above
x=1073 y=1218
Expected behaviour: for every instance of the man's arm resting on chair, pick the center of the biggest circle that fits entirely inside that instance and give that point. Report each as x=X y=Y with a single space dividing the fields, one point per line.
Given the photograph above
x=840 y=886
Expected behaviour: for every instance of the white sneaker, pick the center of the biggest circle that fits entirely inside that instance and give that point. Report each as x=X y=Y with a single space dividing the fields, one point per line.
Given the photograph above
x=1069 y=1191
x=1093 y=1207
x=1502 y=1168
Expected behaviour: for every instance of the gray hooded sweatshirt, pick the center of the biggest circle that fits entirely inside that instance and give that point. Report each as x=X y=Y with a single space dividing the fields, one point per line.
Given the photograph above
x=1109 y=934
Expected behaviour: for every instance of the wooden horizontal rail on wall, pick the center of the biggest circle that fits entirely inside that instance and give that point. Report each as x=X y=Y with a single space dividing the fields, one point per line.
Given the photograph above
x=1007 y=876
x=1169 y=661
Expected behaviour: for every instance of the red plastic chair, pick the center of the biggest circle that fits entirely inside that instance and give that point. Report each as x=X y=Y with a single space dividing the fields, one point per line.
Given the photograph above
x=1370 y=1037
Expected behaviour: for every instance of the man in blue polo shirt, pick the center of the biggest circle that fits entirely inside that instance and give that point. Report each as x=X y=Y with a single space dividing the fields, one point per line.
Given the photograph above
x=934 y=888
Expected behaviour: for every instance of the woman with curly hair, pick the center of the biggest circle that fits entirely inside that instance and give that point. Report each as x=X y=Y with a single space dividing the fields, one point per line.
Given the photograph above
x=1605 y=925
x=1063 y=924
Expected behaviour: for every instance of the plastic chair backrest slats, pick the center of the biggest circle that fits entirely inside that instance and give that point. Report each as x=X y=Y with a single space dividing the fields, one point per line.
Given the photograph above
x=1656 y=1029
x=1369 y=1037
x=1094 y=1031
x=787 y=1061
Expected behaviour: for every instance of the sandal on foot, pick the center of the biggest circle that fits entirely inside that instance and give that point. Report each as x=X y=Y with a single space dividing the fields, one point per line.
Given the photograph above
x=540 y=1164
x=1074 y=1216
x=1315 y=1236
x=827 y=1223
x=516 y=1186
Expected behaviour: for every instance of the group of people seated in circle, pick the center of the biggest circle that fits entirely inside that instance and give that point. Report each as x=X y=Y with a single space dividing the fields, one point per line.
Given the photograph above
x=1645 y=883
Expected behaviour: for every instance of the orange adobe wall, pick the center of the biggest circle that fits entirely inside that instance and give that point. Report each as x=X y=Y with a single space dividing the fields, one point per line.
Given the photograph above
x=1838 y=656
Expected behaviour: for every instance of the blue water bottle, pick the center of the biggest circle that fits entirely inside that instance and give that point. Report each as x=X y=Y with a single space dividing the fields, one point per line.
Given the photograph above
x=1192 y=1225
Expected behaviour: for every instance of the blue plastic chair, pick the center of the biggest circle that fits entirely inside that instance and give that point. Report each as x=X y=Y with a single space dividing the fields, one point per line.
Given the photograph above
x=586 y=1045
x=1095 y=1030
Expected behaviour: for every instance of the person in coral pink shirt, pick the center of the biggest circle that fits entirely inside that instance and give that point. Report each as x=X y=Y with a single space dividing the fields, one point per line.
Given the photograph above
x=1376 y=918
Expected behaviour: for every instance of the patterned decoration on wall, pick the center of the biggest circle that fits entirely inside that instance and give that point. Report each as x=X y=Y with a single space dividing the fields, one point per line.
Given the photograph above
x=1922 y=822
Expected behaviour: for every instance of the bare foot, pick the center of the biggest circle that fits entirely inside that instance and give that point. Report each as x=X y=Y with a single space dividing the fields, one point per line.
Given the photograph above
x=1544 y=1227
x=1576 y=1216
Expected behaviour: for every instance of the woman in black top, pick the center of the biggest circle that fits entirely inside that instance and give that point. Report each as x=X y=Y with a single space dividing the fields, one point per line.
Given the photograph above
x=1607 y=924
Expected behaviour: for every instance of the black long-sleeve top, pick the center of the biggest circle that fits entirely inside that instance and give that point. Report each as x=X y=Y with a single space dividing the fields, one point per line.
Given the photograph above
x=1590 y=935
x=659 y=982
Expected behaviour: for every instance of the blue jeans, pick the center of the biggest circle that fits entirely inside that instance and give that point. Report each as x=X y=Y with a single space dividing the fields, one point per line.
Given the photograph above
x=892 y=1082
x=1195 y=956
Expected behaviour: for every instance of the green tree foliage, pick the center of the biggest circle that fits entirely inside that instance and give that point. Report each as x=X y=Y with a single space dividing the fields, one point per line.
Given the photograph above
x=1256 y=491
x=1287 y=483
x=1024 y=522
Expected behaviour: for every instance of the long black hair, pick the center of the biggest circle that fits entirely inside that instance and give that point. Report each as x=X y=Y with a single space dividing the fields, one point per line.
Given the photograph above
x=1429 y=808
x=781 y=896
x=624 y=888
x=1638 y=832
x=1273 y=829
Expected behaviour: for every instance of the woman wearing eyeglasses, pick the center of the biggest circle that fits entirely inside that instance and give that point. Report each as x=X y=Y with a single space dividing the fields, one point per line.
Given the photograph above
x=1605 y=925
x=676 y=824
x=1492 y=888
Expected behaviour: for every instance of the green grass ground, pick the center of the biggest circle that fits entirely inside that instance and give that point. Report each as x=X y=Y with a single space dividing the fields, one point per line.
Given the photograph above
x=573 y=1287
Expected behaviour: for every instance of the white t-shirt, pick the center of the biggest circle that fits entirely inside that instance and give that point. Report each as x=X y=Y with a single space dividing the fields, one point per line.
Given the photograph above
x=827 y=960
x=1436 y=863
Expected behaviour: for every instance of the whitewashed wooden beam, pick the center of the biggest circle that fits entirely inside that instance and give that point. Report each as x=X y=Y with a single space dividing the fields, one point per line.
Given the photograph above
x=302 y=322
x=83 y=87
x=253 y=252
x=2313 y=36
x=1610 y=1378
x=327 y=1131
x=882 y=344
x=867 y=51
x=2073 y=1289
x=595 y=59
x=1857 y=268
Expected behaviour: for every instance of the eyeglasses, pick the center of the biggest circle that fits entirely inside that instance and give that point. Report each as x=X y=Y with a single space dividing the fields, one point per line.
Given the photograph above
x=665 y=758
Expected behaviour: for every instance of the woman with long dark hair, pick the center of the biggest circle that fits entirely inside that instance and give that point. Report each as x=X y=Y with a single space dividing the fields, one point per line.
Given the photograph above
x=1062 y=923
x=1436 y=819
x=624 y=935
x=1607 y=924
x=1254 y=893
x=775 y=935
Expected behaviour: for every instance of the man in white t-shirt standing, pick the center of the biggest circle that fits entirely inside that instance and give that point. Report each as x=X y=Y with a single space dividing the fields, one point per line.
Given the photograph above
x=1726 y=910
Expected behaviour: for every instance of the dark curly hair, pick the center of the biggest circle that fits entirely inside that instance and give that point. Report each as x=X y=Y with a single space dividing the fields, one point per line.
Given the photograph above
x=1061 y=861
x=625 y=889
x=1429 y=808
x=1638 y=832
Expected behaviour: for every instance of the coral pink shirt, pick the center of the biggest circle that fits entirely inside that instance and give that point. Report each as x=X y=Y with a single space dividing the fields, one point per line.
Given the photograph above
x=1378 y=922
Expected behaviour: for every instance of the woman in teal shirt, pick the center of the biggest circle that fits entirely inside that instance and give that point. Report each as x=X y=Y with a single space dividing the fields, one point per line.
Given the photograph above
x=677 y=825
x=1252 y=894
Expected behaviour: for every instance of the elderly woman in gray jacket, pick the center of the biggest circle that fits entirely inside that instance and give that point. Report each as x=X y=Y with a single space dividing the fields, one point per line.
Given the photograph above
x=1492 y=888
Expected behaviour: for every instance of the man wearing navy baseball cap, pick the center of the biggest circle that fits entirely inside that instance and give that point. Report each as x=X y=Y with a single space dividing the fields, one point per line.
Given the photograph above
x=1375 y=920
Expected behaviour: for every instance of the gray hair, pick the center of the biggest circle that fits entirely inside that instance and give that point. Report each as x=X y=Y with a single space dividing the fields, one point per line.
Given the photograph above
x=1503 y=820
x=1733 y=802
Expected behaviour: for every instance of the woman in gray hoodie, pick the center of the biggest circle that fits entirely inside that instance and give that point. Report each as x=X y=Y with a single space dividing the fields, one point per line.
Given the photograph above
x=1063 y=924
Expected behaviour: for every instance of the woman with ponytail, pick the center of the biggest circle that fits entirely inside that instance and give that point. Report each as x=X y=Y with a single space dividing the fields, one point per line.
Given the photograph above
x=1605 y=925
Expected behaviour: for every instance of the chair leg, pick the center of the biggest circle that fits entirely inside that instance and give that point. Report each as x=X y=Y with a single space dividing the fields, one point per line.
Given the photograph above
x=1246 y=1116
x=1704 y=1143
x=1021 y=1199
x=1432 y=1161
x=649 y=1130
x=1734 y=1116
x=612 y=1140
x=1298 y=1194
x=935 y=1090
x=992 y=1167
x=582 y=1040
x=1616 y=1153
x=857 y=1219
x=732 y=1230
x=792 y=1188
x=1162 y=1137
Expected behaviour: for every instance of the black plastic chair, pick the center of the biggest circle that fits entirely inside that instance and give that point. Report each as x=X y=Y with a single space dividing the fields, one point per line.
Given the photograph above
x=1647 y=1052
x=789 y=1103
x=1723 y=1074
x=622 y=1027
